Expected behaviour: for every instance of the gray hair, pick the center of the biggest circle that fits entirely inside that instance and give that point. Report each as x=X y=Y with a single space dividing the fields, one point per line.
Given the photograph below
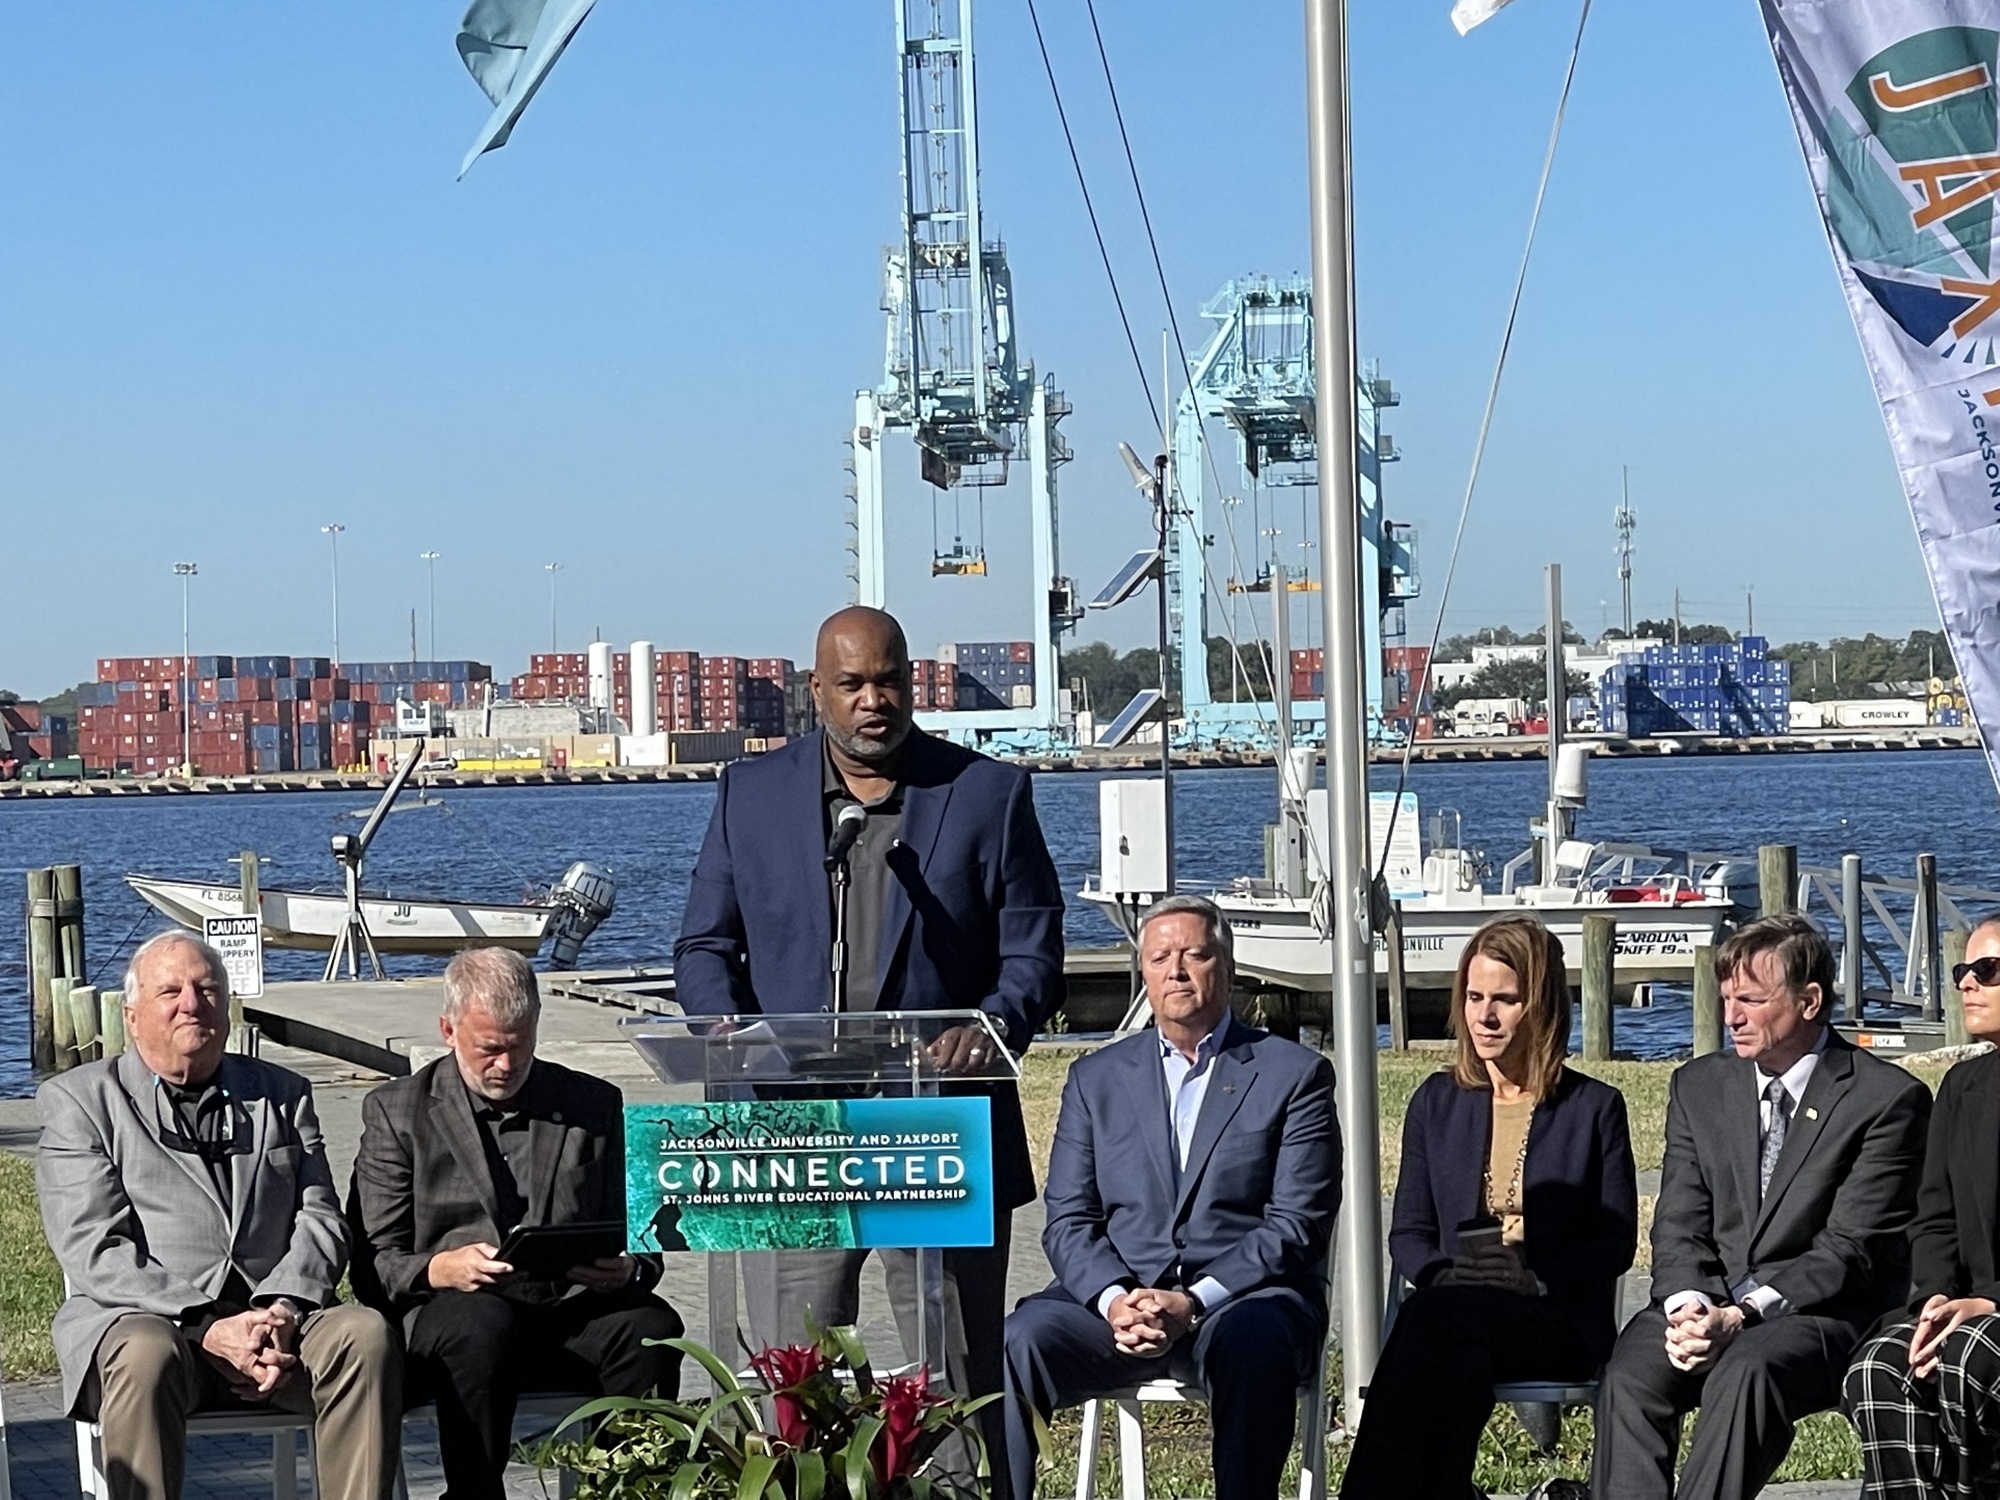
x=1211 y=917
x=160 y=940
x=497 y=980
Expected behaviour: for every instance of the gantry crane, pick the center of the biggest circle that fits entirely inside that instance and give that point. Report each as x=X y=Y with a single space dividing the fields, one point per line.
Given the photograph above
x=1256 y=374
x=952 y=372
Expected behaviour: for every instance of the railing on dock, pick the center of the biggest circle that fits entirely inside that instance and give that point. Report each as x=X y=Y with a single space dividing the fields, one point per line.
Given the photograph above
x=1893 y=932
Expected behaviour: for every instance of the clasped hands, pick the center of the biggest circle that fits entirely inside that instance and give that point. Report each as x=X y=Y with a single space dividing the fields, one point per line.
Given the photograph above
x=472 y=1268
x=1940 y=1317
x=1148 y=1320
x=255 y=1350
x=1495 y=1265
x=1698 y=1332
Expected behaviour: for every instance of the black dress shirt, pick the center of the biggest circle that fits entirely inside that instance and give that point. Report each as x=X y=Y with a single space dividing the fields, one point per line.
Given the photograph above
x=869 y=876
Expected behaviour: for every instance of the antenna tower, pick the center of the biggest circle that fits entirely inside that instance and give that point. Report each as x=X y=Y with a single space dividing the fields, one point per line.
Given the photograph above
x=1626 y=523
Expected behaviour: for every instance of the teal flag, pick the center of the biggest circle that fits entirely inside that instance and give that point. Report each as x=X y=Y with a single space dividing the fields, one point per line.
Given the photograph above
x=508 y=47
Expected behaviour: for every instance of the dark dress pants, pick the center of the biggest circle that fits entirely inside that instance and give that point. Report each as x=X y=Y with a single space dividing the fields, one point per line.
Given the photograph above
x=1251 y=1356
x=1432 y=1391
x=473 y=1353
x=1749 y=1401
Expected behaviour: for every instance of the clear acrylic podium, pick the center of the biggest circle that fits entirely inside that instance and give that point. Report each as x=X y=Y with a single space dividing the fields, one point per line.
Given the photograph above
x=822 y=1137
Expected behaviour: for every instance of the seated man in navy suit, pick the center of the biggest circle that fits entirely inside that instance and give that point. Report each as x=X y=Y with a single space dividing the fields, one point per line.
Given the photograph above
x=1192 y=1193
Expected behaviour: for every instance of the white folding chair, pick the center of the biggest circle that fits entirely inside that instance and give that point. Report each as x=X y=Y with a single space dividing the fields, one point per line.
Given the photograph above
x=1132 y=1401
x=543 y=1406
x=283 y=1426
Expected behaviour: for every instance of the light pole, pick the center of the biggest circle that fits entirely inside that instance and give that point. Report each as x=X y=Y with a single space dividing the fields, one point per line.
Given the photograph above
x=430 y=560
x=553 y=569
x=332 y=532
x=184 y=571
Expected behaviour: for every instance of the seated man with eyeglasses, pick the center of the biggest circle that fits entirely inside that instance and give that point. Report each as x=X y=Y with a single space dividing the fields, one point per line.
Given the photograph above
x=188 y=1199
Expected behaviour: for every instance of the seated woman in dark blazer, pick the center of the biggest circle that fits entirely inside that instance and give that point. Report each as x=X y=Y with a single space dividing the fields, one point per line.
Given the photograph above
x=1924 y=1393
x=1532 y=1164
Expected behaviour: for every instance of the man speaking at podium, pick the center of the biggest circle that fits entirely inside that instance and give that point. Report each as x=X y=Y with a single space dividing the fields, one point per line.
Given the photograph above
x=952 y=904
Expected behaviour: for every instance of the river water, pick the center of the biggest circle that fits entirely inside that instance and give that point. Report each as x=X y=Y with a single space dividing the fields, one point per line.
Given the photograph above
x=493 y=842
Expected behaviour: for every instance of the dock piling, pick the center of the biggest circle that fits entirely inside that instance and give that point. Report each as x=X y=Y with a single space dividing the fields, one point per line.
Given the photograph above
x=1777 y=879
x=111 y=1022
x=83 y=1021
x=1852 y=953
x=1599 y=931
x=41 y=968
x=1707 y=1003
x=69 y=921
x=64 y=1021
x=1924 y=939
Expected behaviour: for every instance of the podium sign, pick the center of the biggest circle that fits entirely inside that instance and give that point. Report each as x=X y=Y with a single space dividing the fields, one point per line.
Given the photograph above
x=791 y=1145
x=809 y=1174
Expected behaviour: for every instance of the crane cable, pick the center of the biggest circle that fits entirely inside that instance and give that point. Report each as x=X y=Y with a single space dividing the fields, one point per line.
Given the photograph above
x=1486 y=427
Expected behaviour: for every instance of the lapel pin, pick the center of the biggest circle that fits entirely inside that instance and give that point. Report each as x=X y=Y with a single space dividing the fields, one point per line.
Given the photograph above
x=1812 y=1114
x=1229 y=1088
x=557 y=1117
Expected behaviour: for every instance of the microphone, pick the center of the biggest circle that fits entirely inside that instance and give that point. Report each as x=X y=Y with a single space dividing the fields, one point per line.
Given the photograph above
x=846 y=829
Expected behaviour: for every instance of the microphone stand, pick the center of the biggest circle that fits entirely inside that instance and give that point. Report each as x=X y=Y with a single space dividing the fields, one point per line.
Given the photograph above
x=841 y=880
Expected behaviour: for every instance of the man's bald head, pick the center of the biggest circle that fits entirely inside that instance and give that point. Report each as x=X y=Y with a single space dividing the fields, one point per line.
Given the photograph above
x=859 y=627
x=861 y=685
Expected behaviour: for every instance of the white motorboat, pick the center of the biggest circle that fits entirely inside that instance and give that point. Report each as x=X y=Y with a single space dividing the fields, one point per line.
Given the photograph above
x=352 y=922
x=1667 y=903
x=313 y=920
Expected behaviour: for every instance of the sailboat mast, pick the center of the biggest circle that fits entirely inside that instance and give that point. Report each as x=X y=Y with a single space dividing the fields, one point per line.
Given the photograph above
x=1352 y=948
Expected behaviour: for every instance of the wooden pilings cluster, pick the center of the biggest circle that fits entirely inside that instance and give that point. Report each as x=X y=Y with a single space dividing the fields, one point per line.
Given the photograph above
x=71 y=1021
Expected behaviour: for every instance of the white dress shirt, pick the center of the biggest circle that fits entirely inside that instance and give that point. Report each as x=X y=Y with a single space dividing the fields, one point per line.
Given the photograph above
x=1187 y=1086
x=1767 y=1300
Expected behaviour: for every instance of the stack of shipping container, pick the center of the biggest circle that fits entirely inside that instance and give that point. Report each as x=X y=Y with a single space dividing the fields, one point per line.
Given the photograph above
x=1733 y=690
x=252 y=714
x=26 y=734
x=987 y=674
x=690 y=691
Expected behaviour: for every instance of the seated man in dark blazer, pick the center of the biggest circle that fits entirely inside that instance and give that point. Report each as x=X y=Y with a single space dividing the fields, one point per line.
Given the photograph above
x=1786 y=1197
x=454 y=1157
x=1192 y=1193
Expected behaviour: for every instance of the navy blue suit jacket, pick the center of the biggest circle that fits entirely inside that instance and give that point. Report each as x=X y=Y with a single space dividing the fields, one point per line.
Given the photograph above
x=1254 y=1207
x=1581 y=1208
x=973 y=920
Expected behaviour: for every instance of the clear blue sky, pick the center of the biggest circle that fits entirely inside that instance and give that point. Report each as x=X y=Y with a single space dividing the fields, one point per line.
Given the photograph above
x=244 y=297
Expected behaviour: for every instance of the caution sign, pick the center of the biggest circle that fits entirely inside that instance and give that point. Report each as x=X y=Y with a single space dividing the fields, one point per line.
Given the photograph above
x=240 y=941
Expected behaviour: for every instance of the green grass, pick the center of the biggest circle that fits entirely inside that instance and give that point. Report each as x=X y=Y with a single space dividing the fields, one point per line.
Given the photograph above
x=30 y=1282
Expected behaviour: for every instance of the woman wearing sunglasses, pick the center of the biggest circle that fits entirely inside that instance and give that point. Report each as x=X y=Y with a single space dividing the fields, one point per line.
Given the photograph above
x=1516 y=1213
x=1924 y=1393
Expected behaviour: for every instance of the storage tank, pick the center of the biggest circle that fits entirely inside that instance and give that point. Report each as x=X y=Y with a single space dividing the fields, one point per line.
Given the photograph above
x=600 y=674
x=645 y=703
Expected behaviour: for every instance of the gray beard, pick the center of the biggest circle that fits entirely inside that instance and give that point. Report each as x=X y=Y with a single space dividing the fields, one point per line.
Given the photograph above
x=868 y=752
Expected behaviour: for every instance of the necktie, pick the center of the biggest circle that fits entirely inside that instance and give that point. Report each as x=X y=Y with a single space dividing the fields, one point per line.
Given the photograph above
x=1774 y=1137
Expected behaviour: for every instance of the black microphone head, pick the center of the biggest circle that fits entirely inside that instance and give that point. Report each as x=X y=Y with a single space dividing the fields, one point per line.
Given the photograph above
x=853 y=815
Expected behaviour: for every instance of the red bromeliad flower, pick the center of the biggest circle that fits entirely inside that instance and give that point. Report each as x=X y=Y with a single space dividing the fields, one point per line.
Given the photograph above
x=905 y=1399
x=787 y=1368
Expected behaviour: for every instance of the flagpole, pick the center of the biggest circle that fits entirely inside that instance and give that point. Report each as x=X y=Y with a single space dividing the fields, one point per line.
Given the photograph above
x=1359 y=1257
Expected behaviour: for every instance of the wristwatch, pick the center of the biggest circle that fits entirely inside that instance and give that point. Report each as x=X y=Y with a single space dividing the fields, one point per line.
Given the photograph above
x=1199 y=1311
x=1752 y=1313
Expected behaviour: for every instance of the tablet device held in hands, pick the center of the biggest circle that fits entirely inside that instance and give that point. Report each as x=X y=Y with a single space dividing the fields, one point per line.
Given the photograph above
x=1474 y=1235
x=545 y=1252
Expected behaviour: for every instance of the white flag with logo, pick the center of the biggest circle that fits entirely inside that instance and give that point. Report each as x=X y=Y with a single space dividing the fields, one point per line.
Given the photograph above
x=1895 y=106
x=1469 y=13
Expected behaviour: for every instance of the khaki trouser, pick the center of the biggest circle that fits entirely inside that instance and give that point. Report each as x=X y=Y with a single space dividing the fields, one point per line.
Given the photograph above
x=148 y=1377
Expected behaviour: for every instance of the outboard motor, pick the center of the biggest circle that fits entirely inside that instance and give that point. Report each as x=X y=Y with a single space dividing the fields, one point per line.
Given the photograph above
x=1731 y=880
x=583 y=898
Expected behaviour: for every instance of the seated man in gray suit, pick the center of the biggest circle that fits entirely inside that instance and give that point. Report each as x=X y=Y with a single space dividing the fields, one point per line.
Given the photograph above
x=187 y=1196
x=1192 y=1191
x=452 y=1158
x=1786 y=1195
